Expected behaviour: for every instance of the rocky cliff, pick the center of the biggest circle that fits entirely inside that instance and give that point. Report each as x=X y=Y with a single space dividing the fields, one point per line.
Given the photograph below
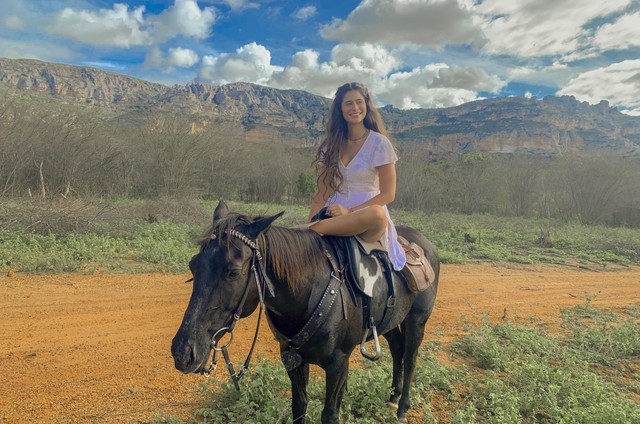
x=514 y=125
x=83 y=84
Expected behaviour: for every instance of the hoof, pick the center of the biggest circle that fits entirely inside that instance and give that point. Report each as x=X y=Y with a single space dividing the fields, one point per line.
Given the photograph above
x=392 y=405
x=403 y=420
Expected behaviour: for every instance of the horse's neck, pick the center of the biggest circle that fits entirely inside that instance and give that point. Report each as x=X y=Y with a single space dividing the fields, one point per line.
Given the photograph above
x=296 y=300
x=286 y=303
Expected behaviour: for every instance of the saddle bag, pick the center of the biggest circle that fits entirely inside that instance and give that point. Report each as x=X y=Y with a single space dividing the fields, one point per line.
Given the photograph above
x=418 y=271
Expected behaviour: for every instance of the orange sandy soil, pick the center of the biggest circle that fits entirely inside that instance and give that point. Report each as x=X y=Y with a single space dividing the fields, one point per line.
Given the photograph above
x=96 y=348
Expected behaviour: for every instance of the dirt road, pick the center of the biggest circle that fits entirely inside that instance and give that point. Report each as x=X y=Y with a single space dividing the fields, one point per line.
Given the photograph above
x=95 y=348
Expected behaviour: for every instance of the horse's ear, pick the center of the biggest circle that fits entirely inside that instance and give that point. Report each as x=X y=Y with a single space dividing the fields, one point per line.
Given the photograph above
x=221 y=210
x=259 y=225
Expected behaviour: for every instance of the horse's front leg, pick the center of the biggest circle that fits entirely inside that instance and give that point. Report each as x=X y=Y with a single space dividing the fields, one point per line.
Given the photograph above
x=299 y=378
x=337 y=373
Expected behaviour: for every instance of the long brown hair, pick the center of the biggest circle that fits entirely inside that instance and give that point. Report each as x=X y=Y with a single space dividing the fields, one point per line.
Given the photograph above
x=327 y=159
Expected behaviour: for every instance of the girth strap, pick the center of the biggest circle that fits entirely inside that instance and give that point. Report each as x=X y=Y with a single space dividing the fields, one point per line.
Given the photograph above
x=371 y=331
x=391 y=299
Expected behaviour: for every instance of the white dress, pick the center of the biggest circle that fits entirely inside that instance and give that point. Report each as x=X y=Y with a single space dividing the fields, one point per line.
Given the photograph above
x=361 y=183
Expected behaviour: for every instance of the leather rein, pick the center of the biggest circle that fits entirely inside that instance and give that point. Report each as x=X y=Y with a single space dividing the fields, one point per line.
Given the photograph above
x=263 y=282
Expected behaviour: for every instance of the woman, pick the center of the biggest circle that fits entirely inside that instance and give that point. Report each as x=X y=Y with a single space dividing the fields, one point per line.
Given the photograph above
x=357 y=174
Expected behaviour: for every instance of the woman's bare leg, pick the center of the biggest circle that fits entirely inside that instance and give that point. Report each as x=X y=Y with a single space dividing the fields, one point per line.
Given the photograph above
x=369 y=223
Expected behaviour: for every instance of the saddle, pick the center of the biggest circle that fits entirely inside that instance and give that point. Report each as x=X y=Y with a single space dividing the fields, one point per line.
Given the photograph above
x=367 y=264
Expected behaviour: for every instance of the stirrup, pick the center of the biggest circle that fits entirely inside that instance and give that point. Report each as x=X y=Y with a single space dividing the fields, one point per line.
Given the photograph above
x=363 y=347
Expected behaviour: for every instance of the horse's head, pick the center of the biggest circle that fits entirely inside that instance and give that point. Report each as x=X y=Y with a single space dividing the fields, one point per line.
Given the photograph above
x=223 y=286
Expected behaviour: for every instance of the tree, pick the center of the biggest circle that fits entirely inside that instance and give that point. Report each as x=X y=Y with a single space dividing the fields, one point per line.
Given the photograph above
x=590 y=189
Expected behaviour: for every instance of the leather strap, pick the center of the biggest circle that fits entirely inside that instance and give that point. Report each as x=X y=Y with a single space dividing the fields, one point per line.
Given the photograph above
x=320 y=313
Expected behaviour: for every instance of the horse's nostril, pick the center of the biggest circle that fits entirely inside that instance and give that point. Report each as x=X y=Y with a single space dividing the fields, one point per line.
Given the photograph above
x=190 y=354
x=183 y=356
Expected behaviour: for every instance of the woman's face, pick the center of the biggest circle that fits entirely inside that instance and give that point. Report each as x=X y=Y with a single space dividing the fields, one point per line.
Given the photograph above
x=354 y=107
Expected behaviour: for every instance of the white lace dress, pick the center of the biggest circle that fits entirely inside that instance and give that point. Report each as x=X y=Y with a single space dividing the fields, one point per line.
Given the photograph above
x=361 y=183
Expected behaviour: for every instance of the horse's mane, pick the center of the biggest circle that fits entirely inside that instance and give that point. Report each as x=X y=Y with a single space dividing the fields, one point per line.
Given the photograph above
x=291 y=255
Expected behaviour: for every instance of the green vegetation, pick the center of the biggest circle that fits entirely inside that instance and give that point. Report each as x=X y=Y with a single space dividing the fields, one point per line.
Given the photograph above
x=463 y=238
x=527 y=375
x=498 y=373
x=64 y=150
x=145 y=236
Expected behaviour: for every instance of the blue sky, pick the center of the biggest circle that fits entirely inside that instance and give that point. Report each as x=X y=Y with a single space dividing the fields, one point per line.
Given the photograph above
x=411 y=53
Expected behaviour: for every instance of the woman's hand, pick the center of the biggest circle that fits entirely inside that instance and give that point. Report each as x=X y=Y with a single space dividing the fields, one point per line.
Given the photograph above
x=337 y=210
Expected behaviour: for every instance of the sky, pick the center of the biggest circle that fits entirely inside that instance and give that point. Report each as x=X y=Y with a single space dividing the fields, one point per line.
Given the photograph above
x=410 y=53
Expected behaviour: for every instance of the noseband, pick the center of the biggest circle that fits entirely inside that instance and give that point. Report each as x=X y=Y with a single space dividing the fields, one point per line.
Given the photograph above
x=263 y=282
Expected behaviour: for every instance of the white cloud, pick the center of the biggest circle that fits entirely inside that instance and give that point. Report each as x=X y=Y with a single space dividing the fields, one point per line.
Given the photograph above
x=365 y=57
x=13 y=22
x=178 y=56
x=472 y=78
x=121 y=27
x=250 y=63
x=366 y=63
x=529 y=28
x=619 y=35
x=42 y=50
x=183 y=58
x=114 y=27
x=154 y=58
x=239 y=5
x=184 y=18
x=431 y=23
x=115 y=67
x=305 y=13
x=436 y=85
x=619 y=83
x=631 y=112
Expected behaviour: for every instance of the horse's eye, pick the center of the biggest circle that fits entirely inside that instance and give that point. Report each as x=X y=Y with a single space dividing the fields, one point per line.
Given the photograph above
x=233 y=273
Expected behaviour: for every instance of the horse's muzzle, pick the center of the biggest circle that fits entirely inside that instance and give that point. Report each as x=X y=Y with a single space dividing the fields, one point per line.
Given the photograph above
x=185 y=358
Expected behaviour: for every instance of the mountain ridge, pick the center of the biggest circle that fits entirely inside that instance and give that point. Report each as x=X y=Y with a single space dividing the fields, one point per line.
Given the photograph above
x=508 y=125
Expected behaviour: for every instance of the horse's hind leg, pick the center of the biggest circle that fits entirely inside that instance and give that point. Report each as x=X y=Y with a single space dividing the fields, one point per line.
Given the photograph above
x=395 y=338
x=299 y=378
x=414 y=326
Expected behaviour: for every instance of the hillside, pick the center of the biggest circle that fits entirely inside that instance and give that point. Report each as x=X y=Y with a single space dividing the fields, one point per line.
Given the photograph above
x=515 y=125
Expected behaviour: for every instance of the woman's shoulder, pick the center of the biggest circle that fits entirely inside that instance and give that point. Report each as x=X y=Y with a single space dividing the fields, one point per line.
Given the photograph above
x=381 y=149
x=380 y=140
x=376 y=135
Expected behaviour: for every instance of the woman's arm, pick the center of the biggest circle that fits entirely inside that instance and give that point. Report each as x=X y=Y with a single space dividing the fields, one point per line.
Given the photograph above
x=319 y=199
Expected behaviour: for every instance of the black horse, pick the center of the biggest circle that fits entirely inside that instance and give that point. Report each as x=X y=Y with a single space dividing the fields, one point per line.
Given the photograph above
x=245 y=260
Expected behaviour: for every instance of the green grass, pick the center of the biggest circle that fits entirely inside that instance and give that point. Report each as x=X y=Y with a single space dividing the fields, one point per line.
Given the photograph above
x=503 y=373
x=527 y=375
x=522 y=240
x=161 y=246
x=125 y=236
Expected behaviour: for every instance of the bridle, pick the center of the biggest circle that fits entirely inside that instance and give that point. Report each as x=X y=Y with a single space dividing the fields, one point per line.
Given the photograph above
x=290 y=356
x=263 y=283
